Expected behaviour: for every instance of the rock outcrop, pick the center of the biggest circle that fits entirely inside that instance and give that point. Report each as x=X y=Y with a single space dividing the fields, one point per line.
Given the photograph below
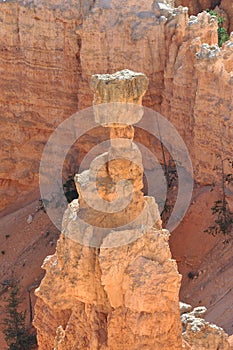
x=115 y=289
x=202 y=335
x=223 y=7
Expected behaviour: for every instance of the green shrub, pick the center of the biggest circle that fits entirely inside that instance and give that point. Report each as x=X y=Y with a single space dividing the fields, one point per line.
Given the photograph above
x=222 y=32
x=223 y=217
x=223 y=222
x=16 y=334
x=222 y=36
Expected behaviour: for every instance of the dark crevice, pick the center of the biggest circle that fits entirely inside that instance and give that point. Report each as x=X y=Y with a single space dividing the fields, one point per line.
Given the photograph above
x=216 y=3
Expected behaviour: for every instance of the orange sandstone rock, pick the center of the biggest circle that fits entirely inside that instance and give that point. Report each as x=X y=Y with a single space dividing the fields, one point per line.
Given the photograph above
x=56 y=50
x=120 y=288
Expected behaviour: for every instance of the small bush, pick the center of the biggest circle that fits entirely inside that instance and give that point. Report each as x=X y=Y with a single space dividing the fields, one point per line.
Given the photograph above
x=223 y=222
x=222 y=36
x=222 y=32
x=223 y=217
x=16 y=334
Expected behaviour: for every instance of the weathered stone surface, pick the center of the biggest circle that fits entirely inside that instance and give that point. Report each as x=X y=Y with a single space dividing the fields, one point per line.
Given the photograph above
x=108 y=284
x=40 y=81
x=189 y=85
x=76 y=41
x=40 y=70
x=120 y=287
x=201 y=335
x=227 y=6
x=184 y=308
x=114 y=182
x=125 y=86
x=133 y=36
x=117 y=96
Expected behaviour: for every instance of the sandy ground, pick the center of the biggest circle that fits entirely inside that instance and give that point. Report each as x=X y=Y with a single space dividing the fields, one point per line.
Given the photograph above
x=22 y=251
x=25 y=245
x=208 y=259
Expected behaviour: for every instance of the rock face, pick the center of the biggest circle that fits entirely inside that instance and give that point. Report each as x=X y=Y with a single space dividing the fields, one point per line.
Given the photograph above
x=115 y=289
x=39 y=55
x=224 y=7
x=227 y=6
x=56 y=49
x=187 y=87
x=48 y=51
x=201 y=335
x=196 y=6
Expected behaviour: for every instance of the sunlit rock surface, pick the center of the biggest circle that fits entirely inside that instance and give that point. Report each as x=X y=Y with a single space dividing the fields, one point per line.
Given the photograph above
x=118 y=290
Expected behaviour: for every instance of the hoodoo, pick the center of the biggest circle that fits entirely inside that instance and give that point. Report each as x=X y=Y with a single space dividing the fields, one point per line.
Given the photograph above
x=112 y=283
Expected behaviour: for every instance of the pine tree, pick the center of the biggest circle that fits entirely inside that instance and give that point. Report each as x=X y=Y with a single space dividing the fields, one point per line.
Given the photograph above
x=16 y=334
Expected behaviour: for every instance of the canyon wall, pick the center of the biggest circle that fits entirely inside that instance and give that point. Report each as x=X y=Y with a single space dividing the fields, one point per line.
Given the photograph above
x=48 y=53
x=189 y=83
x=40 y=70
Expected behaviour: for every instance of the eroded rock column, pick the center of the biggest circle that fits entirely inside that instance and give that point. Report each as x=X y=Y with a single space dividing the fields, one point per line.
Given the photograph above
x=111 y=283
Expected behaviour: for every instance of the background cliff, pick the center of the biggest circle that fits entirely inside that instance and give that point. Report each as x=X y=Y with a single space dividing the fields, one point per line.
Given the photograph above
x=48 y=51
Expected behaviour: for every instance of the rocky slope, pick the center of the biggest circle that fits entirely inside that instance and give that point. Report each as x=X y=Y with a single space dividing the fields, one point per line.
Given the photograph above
x=22 y=253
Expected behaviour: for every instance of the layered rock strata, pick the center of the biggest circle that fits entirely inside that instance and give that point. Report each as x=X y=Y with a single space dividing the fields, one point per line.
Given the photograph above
x=49 y=51
x=114 y=288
